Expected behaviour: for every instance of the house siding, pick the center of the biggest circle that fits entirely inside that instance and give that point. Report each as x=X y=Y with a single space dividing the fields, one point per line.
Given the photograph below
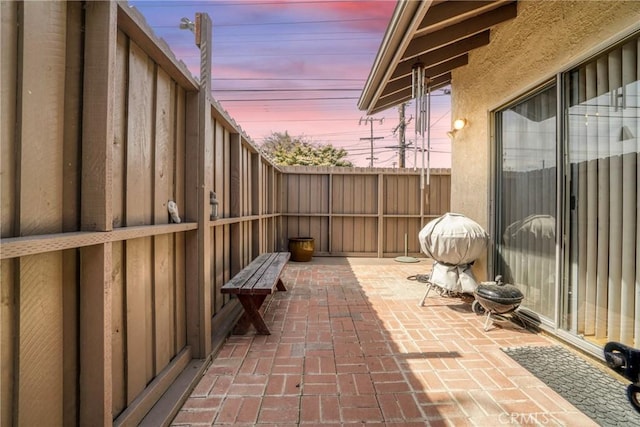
x=545 y=38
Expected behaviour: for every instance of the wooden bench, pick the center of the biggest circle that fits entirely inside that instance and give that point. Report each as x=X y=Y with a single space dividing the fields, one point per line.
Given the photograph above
x=252 y=285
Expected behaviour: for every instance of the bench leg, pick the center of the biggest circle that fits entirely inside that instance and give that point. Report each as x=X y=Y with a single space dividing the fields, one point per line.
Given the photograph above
x=280 y=285
x=252 y=304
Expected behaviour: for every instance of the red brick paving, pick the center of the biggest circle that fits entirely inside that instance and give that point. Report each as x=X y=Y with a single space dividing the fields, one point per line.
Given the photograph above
x=350 y=346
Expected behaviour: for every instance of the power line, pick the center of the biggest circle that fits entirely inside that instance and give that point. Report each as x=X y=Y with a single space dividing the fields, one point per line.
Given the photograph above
x=261 y=24
x=287 y=90
x=286 y=99
x=289 y=79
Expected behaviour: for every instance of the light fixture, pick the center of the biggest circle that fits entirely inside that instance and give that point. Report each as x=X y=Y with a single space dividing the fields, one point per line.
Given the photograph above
x=187 y=24
x=458 y=124
x=213 y=201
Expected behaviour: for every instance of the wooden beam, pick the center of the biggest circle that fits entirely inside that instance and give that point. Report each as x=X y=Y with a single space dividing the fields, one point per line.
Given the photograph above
x=442 y=54
x=198 y=285
x=16 y=247
x=445 y=13
x=452 y=33
x=191 y=213
x=98 y=115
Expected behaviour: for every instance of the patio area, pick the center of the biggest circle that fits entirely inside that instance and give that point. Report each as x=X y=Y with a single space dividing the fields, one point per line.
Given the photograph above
x=350 y=345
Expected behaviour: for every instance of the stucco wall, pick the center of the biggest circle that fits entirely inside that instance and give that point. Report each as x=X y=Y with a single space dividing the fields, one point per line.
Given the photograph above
x=546 y=37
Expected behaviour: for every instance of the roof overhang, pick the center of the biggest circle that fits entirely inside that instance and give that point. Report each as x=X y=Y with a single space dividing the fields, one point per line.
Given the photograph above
x=437 y=33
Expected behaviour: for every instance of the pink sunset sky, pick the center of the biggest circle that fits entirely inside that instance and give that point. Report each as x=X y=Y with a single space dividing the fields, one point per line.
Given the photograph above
x=300 y=66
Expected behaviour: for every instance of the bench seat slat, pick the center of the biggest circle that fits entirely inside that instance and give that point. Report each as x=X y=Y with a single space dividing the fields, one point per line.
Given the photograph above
x=265 y=277
x=260 y=276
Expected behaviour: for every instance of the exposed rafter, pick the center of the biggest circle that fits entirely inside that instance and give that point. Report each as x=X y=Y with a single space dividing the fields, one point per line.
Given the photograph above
x=439 y=34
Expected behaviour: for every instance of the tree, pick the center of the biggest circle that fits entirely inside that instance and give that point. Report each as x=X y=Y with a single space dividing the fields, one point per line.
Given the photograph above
x=287 y=151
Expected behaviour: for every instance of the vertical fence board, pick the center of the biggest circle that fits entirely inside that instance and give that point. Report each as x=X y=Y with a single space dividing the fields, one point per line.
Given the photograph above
x=8 y=88
x=42 y=96
x=139 y=207
x=164 y=147
x=162 y=302
x=40 y=365
x=71 y=325
x=138 y=284
x=119 y=131
x=71 y=211
x=8 y=99
x=219 y=260
x=163 y=192
x=95 y=335
x=118 y=333
x=180 y=302
x=73 y=117
x=8 y=353
x=179 y=240
x=139 y=171
x=40 y=166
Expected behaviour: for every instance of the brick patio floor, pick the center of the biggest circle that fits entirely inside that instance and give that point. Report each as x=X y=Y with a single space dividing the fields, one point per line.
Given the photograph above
x=351 y=346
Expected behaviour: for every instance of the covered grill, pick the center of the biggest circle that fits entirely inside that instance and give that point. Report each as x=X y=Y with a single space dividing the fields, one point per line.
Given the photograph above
x=454 y=242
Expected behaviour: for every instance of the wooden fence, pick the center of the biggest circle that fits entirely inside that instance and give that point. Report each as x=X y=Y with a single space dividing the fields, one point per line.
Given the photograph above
x=109 y=310
x=362 y=211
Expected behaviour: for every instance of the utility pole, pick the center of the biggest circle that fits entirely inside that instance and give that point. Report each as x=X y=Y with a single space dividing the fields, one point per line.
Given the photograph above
x=371 y=138
x=402 y=126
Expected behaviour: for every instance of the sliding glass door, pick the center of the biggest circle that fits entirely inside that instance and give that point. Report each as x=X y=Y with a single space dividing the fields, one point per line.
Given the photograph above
x=602 y=298
x=589 y=118
x=526 y=198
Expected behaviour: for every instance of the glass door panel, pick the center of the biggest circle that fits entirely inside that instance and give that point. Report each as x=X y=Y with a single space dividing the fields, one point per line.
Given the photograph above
x=601 y=299
x=526 y=199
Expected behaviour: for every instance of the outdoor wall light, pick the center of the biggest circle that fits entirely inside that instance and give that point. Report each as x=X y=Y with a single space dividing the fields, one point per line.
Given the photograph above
x=458 y=124
x=213 y=202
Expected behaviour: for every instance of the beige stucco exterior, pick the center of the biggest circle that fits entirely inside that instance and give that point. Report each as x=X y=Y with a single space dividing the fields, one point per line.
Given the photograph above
x=546 y=37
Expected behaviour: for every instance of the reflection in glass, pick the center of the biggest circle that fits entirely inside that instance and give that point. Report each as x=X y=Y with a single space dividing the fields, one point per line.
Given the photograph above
x=602 y=129
x=527 y=199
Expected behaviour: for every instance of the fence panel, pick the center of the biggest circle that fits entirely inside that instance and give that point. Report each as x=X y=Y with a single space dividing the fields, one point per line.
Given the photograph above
x=370 y=211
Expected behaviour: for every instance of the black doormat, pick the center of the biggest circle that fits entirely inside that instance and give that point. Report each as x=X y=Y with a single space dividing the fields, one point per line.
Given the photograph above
x=598 y=395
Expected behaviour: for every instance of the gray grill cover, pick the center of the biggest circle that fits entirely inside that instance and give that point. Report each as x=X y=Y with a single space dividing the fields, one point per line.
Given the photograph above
x=453 y=278
x=453 y=239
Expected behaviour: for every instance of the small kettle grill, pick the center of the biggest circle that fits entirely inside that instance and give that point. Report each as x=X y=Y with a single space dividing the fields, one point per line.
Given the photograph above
x=496 y=299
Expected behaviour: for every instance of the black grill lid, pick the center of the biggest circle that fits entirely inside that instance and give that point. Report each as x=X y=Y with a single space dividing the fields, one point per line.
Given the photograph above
x=503 y=294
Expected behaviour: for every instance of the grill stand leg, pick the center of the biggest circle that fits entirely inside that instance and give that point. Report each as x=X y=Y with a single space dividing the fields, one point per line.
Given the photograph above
x=429 y=285
x=486 y=321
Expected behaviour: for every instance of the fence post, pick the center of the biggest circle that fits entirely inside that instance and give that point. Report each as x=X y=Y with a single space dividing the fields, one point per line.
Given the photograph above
x=96 y=213
x=198 y=285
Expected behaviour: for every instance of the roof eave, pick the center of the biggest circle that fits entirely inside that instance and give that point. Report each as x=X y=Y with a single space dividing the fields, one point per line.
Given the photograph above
x=405 y=20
